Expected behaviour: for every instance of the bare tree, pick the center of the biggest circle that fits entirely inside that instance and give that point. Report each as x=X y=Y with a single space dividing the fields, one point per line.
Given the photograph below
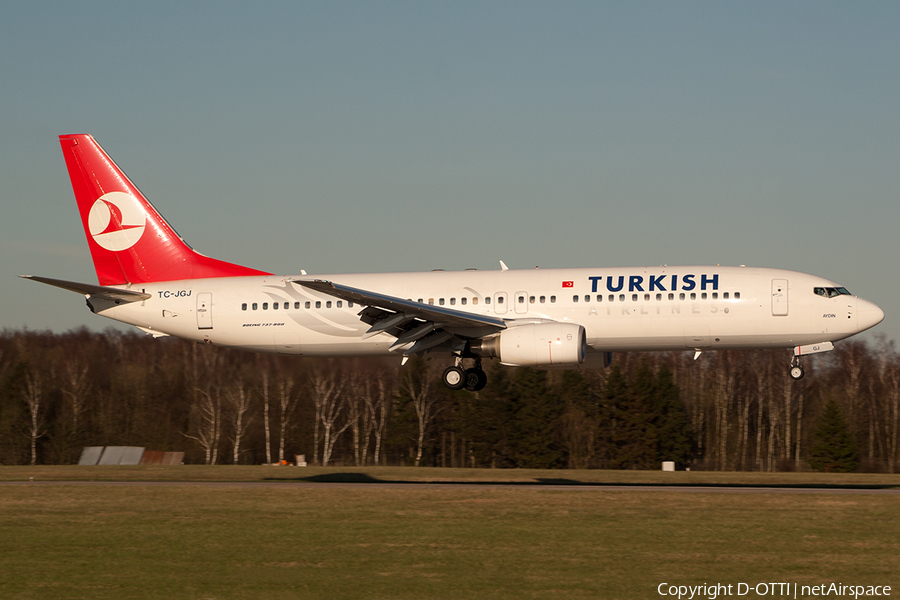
x=207 y=413
x=376 y=395
x=77 y=383
x=419 y=384
x=265 y=397
x=34 y=396
x=892 y=421
x=358 y=418
x=287 y=402
x=239 y=399
x=329 y=402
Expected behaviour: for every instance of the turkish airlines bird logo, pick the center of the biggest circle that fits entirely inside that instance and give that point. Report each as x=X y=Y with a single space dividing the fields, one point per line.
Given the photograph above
x=116 y=221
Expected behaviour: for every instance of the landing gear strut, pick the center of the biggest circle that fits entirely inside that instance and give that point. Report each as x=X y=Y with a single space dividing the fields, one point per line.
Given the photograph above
x=473 y=379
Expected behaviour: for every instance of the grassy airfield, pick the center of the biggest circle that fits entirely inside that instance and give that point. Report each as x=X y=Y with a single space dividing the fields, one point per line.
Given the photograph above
x=420 y=542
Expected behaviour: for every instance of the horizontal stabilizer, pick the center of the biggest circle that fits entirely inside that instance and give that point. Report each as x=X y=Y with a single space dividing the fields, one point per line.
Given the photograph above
x=94 y=291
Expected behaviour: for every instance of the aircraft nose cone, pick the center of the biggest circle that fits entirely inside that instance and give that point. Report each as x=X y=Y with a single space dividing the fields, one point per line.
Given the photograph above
x=869 y=314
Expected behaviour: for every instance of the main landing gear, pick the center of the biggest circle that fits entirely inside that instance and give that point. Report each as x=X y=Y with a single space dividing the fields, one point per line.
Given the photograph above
x=456 y=378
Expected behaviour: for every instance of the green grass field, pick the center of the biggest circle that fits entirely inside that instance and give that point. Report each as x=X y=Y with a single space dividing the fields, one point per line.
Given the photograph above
x=415 y=542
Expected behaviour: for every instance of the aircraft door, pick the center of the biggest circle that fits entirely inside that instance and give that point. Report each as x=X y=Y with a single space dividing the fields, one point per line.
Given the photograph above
x=521 y=302
x=500 y=303
x=779 y=297
x=204 y=310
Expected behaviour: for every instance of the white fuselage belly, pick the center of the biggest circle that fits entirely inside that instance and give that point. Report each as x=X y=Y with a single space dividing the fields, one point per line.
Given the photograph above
x=653 y=308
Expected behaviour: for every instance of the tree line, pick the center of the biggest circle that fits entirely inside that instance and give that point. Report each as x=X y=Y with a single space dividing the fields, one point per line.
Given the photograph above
x=727 y=410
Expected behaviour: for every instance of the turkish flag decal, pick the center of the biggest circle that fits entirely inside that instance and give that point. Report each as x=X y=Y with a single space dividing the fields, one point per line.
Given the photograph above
x=568 y=284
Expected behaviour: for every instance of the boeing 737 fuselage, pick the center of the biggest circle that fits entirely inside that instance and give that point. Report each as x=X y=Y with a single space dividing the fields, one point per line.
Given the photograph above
x=565 y=318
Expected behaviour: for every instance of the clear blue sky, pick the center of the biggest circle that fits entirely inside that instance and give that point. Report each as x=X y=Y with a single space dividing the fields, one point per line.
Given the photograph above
x=378 y=136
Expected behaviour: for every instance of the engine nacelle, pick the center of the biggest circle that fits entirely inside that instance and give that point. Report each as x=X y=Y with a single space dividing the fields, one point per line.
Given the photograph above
x=536 y=345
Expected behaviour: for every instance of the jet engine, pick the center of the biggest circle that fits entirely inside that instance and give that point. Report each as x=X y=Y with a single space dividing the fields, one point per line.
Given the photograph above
x=535 y=345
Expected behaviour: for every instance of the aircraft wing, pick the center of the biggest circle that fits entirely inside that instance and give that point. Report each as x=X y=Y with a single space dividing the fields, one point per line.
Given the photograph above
x=94 y=291
x=422 y=325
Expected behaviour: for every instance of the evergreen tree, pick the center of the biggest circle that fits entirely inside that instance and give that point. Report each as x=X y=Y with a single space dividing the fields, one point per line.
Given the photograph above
x=579 y=421
x=614 y=396
x=633 y=432
x=537 y=410
x=637 y=448
x=493 y=414
x=834 y=449
x=673 y=434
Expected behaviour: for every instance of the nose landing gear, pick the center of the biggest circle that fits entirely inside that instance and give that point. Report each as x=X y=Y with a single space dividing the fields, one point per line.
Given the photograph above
x=796 y=371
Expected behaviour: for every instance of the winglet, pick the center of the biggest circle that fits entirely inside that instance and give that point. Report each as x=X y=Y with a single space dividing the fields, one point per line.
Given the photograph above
x=503 y=266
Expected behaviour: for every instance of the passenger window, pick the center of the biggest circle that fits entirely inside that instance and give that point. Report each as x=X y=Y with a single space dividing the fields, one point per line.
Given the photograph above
x=671 y=296
x=621 y=297
x=441 y=301
x=693 y=295
x=681 y=296
x=431 y=301
x=349 y=303
x=296 y=305
x=318 y=304
x=574 y=298
x=646 y=297
x=487 y=299
x=552 y=299
x=521 y=299
x=531 y=300
x=265 y=306
x=715 y=295
x=658 y=297
x=255 y=306
x=612 y=297
x=703 y=296
x=463 y=300
x=328 y=304
x=543 y=299
x=244 y=306
x=737 y=295
x=475 y=300
x=634 y=297
x=421 y=301
x=500 y=300
x=725 y=296
x=306 y=304
x=587 y=298
x=452 y=301
x=340 y=304
x=274 y=306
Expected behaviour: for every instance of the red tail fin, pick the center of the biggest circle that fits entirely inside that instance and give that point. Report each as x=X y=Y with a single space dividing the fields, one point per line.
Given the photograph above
x=130 y=242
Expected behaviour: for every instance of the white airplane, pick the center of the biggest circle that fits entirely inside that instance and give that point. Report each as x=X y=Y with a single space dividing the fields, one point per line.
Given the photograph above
x=149 y=277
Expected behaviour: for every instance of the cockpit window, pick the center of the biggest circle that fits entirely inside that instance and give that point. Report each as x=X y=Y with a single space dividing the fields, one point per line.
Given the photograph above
x=830 y=292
